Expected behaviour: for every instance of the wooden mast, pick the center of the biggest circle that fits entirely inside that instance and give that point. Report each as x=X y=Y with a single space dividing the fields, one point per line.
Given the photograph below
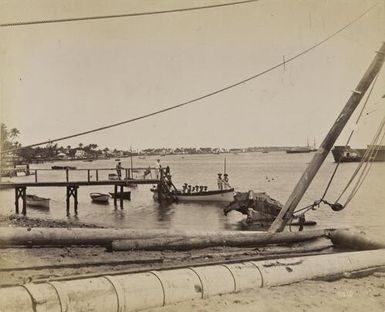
x=287 y=211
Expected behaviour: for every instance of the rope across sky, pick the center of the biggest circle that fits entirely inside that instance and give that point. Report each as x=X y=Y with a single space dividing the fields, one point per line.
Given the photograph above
x=226 y=88
x=87 y=18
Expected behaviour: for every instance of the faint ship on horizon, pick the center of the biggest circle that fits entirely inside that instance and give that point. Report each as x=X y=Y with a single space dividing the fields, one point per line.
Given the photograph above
x=302 y=149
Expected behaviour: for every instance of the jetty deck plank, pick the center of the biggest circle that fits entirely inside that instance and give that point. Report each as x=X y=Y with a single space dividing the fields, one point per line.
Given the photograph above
x=6 y=185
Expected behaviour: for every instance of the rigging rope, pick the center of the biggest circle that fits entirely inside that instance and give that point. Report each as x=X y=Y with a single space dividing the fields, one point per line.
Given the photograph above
x=87 y=18
x=369 y=155
x=349 y=138
x=368 y=158
x=366 y=174
x=291 y=59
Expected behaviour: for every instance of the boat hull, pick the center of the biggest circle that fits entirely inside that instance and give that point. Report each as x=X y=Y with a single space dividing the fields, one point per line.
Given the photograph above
x=124 y=195
x=99 y=197
x=348 y=154
x=299 y=150
x=36 y=201
x=209 y=196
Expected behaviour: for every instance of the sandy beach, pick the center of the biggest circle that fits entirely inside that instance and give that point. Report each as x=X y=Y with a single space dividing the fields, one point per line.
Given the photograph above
x=362 y=294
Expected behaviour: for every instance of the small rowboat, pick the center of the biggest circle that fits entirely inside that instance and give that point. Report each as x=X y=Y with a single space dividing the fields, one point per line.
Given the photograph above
x=36 y=201
x=99 y=197
x=113 y=176
x=124 y=195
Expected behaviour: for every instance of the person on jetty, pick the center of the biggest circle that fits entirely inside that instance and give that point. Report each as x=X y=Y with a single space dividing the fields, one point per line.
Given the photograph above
x=220 y=181
x=226 y=183
x=158 y=167
x=119 y=170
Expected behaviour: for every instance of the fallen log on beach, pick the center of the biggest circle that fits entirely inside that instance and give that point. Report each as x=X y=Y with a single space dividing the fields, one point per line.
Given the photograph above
x=220 y=239
x=356 y=240
x=104 y=237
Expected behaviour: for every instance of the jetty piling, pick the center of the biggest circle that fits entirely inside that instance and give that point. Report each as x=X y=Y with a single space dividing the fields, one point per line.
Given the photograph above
x=21 y=192
x=72 y=190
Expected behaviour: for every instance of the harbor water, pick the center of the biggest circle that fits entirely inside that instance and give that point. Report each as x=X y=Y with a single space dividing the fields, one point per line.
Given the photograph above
x=275 y=173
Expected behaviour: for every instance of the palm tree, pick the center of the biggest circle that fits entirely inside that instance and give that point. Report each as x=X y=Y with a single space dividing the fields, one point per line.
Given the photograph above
x=13 y=133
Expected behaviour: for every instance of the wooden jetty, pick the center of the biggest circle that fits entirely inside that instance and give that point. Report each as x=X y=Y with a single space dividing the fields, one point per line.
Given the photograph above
x=92 y=179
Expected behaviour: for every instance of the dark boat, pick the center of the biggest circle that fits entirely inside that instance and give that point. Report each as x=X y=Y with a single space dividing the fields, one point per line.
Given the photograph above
x=124 y=195
x=348 y=154
x=62 y=168
x=37 y=201
x=299 y=150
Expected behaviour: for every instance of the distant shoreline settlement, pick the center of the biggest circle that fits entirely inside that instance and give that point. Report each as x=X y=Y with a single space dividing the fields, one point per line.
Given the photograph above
x=54 y=152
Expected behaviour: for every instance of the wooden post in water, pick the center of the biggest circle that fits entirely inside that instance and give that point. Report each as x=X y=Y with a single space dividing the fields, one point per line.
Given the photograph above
x=97 y=174
x=17 y=199
x=24 y=197
x=325 y=147
x=67 y=177
x=75 y=194
x=67 y=201
x=115 y=194
x=35 y=175
x=121 y=197
x=88 y=175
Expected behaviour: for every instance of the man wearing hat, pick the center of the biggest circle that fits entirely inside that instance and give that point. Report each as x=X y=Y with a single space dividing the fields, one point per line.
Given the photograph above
x=158 y=167
x=226 y=181
x=220 y=181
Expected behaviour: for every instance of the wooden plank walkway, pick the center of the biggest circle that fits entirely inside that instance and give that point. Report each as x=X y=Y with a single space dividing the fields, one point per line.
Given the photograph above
x=9 y=185
x=72 y=186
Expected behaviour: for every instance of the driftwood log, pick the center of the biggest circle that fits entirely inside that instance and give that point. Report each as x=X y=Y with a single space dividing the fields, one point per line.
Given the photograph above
x=104 y=237
x=220 y=239
x=357 y=240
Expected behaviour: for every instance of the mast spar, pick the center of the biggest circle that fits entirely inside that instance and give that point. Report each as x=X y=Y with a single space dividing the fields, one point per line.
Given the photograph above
x=288 y=209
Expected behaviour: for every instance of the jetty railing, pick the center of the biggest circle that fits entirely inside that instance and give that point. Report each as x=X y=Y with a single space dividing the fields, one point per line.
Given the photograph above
x=95 y=174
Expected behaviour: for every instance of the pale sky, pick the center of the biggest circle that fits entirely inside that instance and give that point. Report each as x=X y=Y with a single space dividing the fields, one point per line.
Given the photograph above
x=59 y=79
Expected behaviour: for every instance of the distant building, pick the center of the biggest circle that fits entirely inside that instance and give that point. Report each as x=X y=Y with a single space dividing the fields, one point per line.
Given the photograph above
x=62 y=155
x=80 y=153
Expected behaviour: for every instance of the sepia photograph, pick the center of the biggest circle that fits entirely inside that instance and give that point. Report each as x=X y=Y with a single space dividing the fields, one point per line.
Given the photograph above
x=197 y=155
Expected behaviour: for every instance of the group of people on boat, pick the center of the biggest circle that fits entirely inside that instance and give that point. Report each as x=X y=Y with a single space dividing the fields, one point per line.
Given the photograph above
x=223 y=183
x=189 y=189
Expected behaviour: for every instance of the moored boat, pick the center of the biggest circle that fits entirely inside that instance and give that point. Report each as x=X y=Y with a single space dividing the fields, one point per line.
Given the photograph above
x=99 y=197
x=113 y=176
x=348 y=154
x=63 y=167
x=204 y=196
x=124 y=195
x=299 y=150
x=37 y=201
x=207 y=196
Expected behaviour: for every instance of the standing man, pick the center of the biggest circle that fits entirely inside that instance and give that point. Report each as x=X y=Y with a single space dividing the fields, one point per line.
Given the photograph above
x=226 y=181
x=158 y=167
x=119 y=170
x=220 y=181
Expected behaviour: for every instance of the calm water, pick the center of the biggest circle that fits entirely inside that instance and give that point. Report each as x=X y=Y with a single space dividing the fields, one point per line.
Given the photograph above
x=275 y=173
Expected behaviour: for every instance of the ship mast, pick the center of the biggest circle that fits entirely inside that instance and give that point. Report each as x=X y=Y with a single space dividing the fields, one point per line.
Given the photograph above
x=287 y=211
